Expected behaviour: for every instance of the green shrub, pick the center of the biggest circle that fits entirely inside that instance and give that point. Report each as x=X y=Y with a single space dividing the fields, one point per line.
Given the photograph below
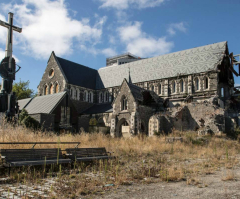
x=28 y=121
x=23 y=115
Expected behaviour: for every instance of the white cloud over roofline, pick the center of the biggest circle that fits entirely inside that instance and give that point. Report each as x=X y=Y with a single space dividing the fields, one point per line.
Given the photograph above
x=181 y=26
x=47 y=26
x=125 y=4
x=142 y=44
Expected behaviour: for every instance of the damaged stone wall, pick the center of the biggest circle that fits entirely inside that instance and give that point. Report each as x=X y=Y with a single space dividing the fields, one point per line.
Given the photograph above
x=204 y=117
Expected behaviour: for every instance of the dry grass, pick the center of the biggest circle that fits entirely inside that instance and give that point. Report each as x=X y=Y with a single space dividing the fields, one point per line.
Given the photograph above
x=229 y=176
x=139 y=159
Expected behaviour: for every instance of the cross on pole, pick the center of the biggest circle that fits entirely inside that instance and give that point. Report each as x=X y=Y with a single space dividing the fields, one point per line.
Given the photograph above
x=7 y=71
x=10 y=27
x=8 y=52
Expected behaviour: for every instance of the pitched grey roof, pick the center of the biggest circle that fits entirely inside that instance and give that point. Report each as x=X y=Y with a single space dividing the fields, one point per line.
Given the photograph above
x=44 y=104
x=195 y=60
x=22 y=103
x=78 y=74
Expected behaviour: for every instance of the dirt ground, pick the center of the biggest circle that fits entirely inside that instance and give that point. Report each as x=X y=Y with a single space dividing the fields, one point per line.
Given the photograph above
x=208 y=186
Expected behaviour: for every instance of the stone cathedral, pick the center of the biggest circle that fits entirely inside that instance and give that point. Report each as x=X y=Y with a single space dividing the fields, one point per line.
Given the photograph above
x=187 y=90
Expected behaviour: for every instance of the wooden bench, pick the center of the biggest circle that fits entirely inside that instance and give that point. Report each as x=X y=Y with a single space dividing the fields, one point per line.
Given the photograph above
x=88 y=154
x=32 y=157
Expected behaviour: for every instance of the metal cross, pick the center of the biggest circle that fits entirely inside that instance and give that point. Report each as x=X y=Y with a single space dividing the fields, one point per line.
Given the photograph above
x=10 y=27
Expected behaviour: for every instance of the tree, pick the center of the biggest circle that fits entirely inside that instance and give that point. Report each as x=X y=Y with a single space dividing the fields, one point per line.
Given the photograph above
x=22 y=90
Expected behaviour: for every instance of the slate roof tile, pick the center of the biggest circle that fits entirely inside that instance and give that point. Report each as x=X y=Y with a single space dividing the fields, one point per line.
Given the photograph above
x=78 y=74
x=45 y=103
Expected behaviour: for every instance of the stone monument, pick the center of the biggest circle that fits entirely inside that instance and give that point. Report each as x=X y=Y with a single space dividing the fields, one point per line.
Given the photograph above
x=8 y=71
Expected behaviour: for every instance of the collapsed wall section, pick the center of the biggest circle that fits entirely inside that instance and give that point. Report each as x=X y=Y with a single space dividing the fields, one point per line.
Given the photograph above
x=203 y=117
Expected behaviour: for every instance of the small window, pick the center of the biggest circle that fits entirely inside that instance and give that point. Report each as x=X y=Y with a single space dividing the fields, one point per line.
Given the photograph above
x=51 y=89
x=206 y=82
x=124 y=103
x=51 y=73
x=222 y=92
x=152 y=88
x=86 y=96
x=106 y=97
x=101 y=98
x=174 y=87
x=160 y=89
x=45 y=90
x=197 y=84
x=181 y=86
x=76 y=94
x=56 y=88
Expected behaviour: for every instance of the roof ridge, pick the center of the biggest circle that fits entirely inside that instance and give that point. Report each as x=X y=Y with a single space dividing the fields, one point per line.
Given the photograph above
x=169 y=54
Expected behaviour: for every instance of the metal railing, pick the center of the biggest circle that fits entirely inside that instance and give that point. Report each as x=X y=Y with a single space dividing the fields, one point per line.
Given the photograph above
x=35 y=143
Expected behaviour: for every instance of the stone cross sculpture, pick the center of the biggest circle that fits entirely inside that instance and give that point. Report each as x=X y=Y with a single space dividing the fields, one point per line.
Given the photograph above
x=8 y=70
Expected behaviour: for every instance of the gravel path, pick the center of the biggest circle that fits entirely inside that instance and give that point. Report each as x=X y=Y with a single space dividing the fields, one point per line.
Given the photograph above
x=211 y=186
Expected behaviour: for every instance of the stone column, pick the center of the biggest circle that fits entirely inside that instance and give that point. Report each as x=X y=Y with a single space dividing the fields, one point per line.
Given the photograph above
x=190 y=85
x=113 y=126
x=132 y=124
x=166 y=88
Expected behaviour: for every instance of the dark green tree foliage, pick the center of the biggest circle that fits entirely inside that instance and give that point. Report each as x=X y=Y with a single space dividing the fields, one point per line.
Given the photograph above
x=22 y=90
x=28 y=121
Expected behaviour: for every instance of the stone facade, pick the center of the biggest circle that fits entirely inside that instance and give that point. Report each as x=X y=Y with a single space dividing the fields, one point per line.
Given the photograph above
x=172 y=93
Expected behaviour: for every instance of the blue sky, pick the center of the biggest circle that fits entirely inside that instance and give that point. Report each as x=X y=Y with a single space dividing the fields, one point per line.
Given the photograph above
x=88 y=31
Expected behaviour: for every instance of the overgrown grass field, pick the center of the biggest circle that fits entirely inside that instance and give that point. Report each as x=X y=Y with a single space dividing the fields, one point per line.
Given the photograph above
x=139 y=159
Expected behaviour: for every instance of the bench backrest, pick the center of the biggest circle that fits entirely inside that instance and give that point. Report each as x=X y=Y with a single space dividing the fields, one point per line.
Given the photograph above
x=30 y=154
x=87 y=152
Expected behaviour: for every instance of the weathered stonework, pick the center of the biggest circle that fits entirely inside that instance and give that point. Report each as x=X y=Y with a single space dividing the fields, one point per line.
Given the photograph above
x=168 y=92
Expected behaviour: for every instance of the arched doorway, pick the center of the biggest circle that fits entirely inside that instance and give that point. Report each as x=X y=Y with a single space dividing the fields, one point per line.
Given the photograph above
x=123 y=128
x=143 y=130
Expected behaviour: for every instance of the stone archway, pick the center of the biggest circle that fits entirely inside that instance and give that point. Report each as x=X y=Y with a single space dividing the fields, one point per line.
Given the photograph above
x=143 y=129
x=123 y=128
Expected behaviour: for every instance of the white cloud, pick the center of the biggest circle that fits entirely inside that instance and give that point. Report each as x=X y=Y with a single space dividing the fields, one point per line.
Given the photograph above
x=125 y=4
x=108 y=52
x=3 y=31
x=141 y=44
x=47 y=26
x=130 y=32
x=2 y=55
x=177 y=27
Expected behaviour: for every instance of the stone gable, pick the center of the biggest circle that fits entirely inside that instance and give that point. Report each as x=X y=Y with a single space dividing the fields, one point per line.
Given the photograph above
x=57 y=79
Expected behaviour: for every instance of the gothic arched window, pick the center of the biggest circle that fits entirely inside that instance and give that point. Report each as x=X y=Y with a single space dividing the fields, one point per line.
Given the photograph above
x=45 y=91
x=206 y=82
x=76 y=94
x=174 y=87
x=196 y=84
x=124 y=103
x=181 y=86
x=56 y=88
x=51 y=89
x=101 y=97
x=152 y=88
x=159 y=89
x=106 y=96
x=85 y=97
x=90 y=97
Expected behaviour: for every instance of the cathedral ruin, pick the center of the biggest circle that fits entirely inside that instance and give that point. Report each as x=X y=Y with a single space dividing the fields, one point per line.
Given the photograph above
x=186 y=90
